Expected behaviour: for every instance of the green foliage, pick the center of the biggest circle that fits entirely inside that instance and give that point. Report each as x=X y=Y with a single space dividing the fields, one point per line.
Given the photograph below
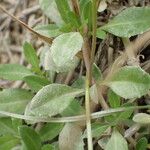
x=31 y=140
x=36 y=82
x=130 y=22
x=49 y=30
x=116 y=142
x=14 y=100
x=142 y=144
x=50 y=131
x=13 y=72
x=130 y=82
x=7 y=142
x=48 y=100
x=69 y=43
x=142 y=118
x=31 y=56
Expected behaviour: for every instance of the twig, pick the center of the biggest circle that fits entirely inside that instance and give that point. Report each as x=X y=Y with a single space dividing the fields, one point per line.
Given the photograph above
x=46 y=39
x=88 y=114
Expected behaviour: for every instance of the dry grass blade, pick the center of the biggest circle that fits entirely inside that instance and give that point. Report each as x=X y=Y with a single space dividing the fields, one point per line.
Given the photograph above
x=44 y=38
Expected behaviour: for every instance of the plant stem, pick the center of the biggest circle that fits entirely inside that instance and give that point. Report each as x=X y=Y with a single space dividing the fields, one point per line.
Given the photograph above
x=75 y=4
x=94 y=26
x=88 y=114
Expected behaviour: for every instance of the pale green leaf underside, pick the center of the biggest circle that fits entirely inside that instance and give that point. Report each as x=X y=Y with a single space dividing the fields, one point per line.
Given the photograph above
x=116 y=142
x=130 y=82
x=51 y=100
x=130 y=22
x=65 y=47
x=142 y=118
x=49 y=63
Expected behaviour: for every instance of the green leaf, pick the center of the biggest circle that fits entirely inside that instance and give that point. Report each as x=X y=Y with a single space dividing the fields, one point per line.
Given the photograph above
x=73 y=109
x=66 y=46
x=13 y=71
x=36 y=82
x=101 y=34
x=49 y=63
x=142 y=144
x=96 y=73
x=129 y=22
x=49 y=30
x=114 y=99
x=97 y=129
x=48 y=100
x=116 y=142
x=49 y=147
x=63 y=8
x=130 y=82
x=142 y=118
x=6 y=127
x=7 y=142
x=79 y=83
x=49 y=8
x=86 y=12
x=30 y=138
x=50 y=131
x=14 y=100
x=31 y=56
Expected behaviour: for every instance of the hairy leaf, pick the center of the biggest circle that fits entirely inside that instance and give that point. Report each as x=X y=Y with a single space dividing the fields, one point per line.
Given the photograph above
x=130 y=82
x=13 y=72
x=14 y=100
x=129 y=22
x=30 y=138
x=31 y=56
x=66 y=46
x=49 y=30
x=51 y=100
x=116 y=142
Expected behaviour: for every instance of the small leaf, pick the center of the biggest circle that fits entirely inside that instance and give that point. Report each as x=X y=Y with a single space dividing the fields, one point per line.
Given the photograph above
x=142 y=144
x=31 y=56
x=14 y=100
x=7 y=142
x=64 y=9
x=79 y=83
x=13 y=72
x=129 y=22
x=48 y=100
x=50 y=131
x=49 y=8
x=114 y=99
x=97 y=129
x=73 y=109
x=6 y=127
x=130 y=82
x=70 y=138
x=49 y=30
x=96 y=73
x=94 y=94
x=49 y=147
x=66 y=46
x=30 y=138
x=116 y=142
x=142 y=118
x=49 y=63
x=101 y=34
x=36 y=82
